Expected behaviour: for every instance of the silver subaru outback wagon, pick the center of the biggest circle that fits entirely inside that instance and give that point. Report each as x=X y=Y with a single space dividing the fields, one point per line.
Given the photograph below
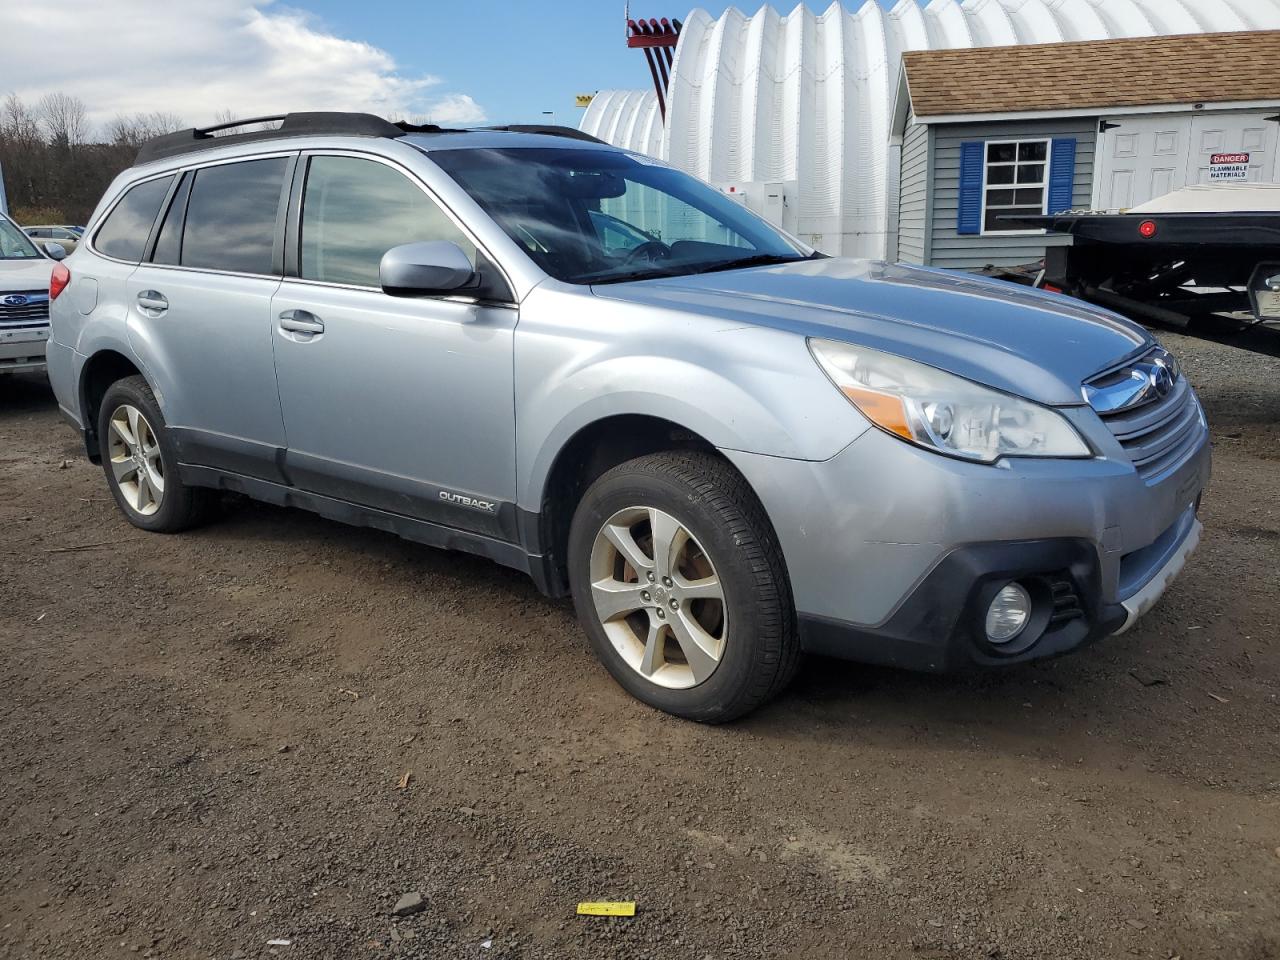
x=583 y=364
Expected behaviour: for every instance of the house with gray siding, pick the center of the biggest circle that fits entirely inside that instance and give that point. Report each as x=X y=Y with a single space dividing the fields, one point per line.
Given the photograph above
x=983 y=136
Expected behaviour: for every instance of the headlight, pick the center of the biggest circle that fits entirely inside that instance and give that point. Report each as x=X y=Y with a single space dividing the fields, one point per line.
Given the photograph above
x=944 y=412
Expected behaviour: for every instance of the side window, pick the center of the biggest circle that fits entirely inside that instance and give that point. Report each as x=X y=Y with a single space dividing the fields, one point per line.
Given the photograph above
x=38 y=233
x=354 y=211
x=124 y=233
x=231 y=216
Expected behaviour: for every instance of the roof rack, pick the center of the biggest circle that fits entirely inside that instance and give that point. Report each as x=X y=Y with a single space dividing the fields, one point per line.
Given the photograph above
x=291 y=125
x=548 y=130
x=316 y=124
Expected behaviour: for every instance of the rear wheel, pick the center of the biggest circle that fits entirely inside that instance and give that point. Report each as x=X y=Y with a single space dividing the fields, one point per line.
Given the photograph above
x=679 y=582
x=141 y=464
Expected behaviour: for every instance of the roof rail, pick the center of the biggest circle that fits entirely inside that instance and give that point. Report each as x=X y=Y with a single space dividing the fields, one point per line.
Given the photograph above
x=291 y=125
x=315 y=124
x=548 y=130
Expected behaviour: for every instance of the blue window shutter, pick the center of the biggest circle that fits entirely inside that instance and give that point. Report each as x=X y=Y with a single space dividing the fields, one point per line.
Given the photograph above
x=1062 y=174
x=969 y=213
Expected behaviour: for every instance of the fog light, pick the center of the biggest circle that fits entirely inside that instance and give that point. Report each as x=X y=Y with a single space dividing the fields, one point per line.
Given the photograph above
x=1008 y=613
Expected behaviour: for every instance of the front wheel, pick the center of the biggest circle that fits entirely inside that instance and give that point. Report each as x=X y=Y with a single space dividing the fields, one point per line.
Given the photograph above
x=679 y=582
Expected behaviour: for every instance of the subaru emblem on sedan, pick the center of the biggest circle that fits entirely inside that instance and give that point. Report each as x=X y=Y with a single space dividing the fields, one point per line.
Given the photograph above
x=15 y=300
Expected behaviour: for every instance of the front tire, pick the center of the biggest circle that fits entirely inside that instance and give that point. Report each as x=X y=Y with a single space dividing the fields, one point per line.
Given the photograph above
x=141 y=464
x=679 y=582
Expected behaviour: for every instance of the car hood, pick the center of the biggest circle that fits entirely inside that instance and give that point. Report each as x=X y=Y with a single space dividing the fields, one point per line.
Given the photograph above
x=25 y=274
x=1037 y=345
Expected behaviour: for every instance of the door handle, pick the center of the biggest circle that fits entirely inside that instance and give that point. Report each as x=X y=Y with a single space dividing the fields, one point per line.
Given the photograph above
x=301 y=321
x=152 y=303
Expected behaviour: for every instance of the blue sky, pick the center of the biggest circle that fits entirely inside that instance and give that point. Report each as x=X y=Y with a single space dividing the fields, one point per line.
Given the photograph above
x=516 y=58
x=462 y=62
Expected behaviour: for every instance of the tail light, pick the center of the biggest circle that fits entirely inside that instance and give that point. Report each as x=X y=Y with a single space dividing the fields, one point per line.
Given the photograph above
x=1147 y=229
x=58 y=280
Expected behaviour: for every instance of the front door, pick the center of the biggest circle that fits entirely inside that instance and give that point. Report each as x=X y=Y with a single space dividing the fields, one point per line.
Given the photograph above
x=404 y=404
x=200 y=313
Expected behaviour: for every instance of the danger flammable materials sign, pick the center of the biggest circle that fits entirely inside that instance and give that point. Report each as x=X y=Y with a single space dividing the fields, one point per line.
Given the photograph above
x=1229 y=166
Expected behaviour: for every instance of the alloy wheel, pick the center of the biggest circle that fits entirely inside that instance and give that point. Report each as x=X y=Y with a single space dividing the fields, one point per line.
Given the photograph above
x=658 y=597
x=134 y=454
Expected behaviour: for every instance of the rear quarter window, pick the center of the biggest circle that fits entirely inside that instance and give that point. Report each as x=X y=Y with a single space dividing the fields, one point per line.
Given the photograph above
x=123 y=235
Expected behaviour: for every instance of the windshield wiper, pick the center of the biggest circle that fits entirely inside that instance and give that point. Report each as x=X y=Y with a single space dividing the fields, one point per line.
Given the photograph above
x=756 y=260
x=650 y=274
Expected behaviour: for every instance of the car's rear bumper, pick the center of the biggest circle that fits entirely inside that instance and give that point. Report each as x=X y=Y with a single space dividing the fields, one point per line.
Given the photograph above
x=894 y=553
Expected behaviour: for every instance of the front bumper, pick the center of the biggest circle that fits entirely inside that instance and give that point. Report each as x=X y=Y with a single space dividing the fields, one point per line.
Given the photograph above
x=895 y=552
x=22 y=351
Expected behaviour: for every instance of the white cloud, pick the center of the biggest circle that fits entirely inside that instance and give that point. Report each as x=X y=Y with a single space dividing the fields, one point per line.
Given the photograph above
x=195 y=59
x=455 y=108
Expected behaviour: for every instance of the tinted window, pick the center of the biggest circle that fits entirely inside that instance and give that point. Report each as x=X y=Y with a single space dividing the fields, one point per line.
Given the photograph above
x=231 y=216
x=169 y=243
x=124 y=233
x=354 y=211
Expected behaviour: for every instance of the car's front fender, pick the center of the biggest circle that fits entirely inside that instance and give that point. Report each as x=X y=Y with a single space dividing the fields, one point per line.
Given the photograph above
x=737 y=387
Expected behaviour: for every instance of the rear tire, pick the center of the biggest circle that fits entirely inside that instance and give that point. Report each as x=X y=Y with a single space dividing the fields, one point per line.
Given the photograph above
x=704 y=626
x=141 y=463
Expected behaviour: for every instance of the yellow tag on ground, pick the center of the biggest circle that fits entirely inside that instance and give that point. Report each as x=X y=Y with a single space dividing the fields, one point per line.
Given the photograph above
x=608 y=908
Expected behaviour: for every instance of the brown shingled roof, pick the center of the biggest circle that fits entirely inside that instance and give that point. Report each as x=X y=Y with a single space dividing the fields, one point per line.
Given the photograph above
x=1201 y=68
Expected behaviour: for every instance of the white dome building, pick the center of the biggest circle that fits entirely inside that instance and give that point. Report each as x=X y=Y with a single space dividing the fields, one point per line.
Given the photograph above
x=799 y=106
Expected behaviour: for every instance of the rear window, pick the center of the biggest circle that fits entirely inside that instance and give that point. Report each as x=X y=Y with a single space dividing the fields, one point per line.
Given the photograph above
x=124 y=233
x=231 y=216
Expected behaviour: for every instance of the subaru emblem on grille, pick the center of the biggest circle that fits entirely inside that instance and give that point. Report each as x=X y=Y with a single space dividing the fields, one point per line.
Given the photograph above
x=15 y=300
x=1160 y=376
x=1150 y=379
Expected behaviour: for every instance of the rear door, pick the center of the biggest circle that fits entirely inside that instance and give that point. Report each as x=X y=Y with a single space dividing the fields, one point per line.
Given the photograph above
x=200 y=314
x=400 y=403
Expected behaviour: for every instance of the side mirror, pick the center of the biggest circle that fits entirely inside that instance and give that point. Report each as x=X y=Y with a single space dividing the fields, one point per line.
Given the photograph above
x=56 y=251
x=437 y=266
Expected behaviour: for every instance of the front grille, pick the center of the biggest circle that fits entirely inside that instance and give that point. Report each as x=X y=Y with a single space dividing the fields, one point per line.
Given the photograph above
x=1158 y=435
x=34 y=312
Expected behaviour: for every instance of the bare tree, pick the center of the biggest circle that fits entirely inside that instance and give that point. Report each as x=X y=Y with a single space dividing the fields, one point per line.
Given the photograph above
x=66 y=121
x=53 y=172
x=132 y=130
x=18 y=124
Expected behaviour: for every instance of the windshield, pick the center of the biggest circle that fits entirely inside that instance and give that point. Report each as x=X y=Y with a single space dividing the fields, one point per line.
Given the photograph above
x=14 y=244
x=597 y=216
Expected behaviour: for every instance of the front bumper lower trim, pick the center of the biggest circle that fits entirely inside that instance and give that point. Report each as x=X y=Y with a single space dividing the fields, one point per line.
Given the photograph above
x=1146 y=598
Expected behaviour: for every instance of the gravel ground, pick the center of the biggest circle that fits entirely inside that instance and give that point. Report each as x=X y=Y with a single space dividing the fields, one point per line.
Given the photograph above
x=204 y=741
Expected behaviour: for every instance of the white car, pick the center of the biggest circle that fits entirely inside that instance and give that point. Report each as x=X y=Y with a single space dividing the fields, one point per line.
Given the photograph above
x=25 y=272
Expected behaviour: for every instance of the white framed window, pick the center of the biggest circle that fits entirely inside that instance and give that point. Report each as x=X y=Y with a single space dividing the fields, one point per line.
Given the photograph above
x=1015 y=181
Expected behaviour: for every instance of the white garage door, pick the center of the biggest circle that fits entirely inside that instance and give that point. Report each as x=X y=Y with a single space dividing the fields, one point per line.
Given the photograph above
x=1143 y=157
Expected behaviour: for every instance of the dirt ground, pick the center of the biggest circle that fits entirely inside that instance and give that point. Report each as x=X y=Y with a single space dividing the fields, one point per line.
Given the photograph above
x=203 y=739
